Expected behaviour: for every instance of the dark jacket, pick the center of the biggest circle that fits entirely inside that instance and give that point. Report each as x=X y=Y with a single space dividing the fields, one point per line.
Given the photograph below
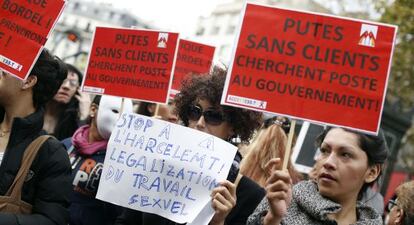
x=48 y=183
x=85 y=209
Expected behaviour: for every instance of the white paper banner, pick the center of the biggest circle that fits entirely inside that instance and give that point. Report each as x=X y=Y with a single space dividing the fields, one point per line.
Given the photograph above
x=163 y=168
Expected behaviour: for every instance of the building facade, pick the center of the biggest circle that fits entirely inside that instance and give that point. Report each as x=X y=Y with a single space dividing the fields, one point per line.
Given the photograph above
x=72 y=37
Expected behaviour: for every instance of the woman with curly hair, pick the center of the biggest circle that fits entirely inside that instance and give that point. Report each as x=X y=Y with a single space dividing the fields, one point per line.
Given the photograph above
x=208 y=90
x=198 y=107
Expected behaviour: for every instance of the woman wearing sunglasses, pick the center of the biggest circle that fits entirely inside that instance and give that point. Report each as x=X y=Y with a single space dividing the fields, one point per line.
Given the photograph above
x=198 y=106
x=401 y=208
x=349 y=163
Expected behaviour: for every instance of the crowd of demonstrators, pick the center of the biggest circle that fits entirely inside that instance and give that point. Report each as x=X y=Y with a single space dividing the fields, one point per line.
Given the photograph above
x=47 y=185
x=87 y=150
x=401 y=208
x=164 y=112
x=349 y=163
x=69 y=107
x=270 y=142
x=48 y=101
x=198 y=106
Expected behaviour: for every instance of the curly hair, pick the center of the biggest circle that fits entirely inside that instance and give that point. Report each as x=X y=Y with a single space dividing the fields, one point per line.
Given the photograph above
x=210 y=87
x=50 y=72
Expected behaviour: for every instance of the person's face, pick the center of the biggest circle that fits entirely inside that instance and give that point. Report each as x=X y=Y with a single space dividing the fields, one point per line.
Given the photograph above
x=68 y=88
x=9 y=87
x=221 y=130
x=343 y=166
x=395 y=214
x=166 y=113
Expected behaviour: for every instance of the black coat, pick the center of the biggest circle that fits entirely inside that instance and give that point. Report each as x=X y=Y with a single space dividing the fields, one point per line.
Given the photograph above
x=84 y=207
x=48 y=185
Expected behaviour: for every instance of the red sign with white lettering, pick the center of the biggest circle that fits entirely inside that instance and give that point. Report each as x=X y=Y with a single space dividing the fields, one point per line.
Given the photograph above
x=131 y=63
x=192 y=58
x=24 y=29
x=315 y=67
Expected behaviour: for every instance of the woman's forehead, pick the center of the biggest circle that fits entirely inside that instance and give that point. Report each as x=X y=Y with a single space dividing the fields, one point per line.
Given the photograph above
x=341 y=137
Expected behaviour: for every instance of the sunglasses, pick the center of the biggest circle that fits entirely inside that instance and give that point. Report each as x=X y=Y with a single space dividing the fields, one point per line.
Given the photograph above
x=212 y=117
x=391 y=203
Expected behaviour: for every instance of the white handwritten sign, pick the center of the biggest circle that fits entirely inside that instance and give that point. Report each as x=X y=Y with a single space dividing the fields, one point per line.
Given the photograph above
x=163 y=168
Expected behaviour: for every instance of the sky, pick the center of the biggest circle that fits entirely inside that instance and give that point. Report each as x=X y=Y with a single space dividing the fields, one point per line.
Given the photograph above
x=174 y=15
x=352 y=6
x=182 y=15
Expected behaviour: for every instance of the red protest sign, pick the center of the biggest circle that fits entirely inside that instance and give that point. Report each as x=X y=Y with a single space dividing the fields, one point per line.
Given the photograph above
x=311 y=66
x=24 y=29
x=131 y=63
x=192 y=58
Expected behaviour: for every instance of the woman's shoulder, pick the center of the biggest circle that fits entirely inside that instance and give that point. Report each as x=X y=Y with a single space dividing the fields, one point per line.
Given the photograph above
x=52 y=157
x=308 y=204
x=53 y=147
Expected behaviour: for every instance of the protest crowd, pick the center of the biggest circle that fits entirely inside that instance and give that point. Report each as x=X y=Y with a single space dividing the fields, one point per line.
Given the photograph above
x=62 y=135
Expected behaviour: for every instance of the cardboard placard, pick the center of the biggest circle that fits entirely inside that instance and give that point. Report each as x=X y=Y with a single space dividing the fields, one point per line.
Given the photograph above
x=131 y=63
x=24 y=29
x=192 y=58
x=152 y=166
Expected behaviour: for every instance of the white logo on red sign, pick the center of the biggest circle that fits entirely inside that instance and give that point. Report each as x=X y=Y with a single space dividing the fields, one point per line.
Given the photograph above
x=368 y=35
x=162 y=40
